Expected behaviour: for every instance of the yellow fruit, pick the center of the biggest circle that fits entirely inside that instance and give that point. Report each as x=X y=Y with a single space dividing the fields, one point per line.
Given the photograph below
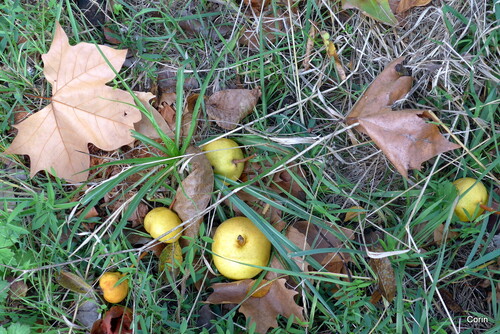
x=238 y=239
x=162 y=220
x=221 y=153
x=113 y=293
x=469 y=203
x=171 y=258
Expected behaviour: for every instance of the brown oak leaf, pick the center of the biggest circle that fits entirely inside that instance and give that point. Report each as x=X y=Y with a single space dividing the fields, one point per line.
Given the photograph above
x=194 y=194
x=262 y=308
x=228 y=107
x=83 y=110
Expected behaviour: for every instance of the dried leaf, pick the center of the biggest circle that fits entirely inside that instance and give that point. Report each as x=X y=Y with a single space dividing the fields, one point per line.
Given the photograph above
x=385 y=274
x=82 y=110
x=117 y=320
x=300 y=240
x=87 y=313
x=193 y=195
x=73 y=282
x=271 y=28
x=439 y=234
x=450 y=301
x=145 y=126
x=322 y=238
x=405 y=137
x=376 y=9
x=405 y=5
x=228 y=107
x=357 y=211
x=18 y=290
x=262 y=310
x=390 y=85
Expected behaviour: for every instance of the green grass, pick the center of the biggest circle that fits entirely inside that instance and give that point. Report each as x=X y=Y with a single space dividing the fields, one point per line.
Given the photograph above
x=297 y=122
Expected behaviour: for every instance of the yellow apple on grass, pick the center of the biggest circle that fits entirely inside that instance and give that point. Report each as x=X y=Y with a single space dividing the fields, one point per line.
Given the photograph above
x=238 y=239
x=468 y=206
x=225 y=156
x=113 y=293
x=162 y=220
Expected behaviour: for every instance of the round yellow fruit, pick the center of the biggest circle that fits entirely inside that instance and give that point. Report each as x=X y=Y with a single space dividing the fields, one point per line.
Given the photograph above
x=222 y=153
x=162 y=220
x=238 y=239
x=469 y=203
x=113 y=293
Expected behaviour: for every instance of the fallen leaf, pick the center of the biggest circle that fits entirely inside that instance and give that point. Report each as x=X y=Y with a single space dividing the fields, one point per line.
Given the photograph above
x=257 y=4
x=376 y=9
x=405 y=5
x=82 y=110
x=385 y=275
x=356 y=213
x=261 y=310
x=193 y=195
x=18 y=290
x=87 y=313
x=331 y=52
x=270 y=27
x=450 y=301
x=390 y=85
x=306 y=63
x=117 y=320
x=144 y=126
x=439 y=234
x=405 y=137
x=321 y=238
x=73 y=282
x=228 y=107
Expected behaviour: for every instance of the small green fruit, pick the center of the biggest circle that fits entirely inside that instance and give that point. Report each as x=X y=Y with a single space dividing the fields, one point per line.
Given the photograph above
x=222 y=153
x=468 y=205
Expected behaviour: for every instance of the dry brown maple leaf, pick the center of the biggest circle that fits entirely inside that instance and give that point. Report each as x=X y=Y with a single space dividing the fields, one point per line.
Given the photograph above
x=83 y=110
x=193 y=195
x=262 y=308
x=228 y=107
x=403 y=135
x=390 y=85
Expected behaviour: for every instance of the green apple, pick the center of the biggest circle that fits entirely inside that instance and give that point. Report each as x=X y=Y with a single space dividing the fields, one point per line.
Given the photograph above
x=225 y=155
x=238 y=239
x=468 y=207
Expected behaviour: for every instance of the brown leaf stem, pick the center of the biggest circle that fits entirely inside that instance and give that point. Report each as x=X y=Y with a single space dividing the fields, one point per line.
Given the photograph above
x=250 y=157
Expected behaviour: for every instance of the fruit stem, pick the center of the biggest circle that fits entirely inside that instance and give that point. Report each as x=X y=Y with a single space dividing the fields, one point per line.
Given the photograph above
x=490 y=209
x=237 y=161
x=241 y=240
